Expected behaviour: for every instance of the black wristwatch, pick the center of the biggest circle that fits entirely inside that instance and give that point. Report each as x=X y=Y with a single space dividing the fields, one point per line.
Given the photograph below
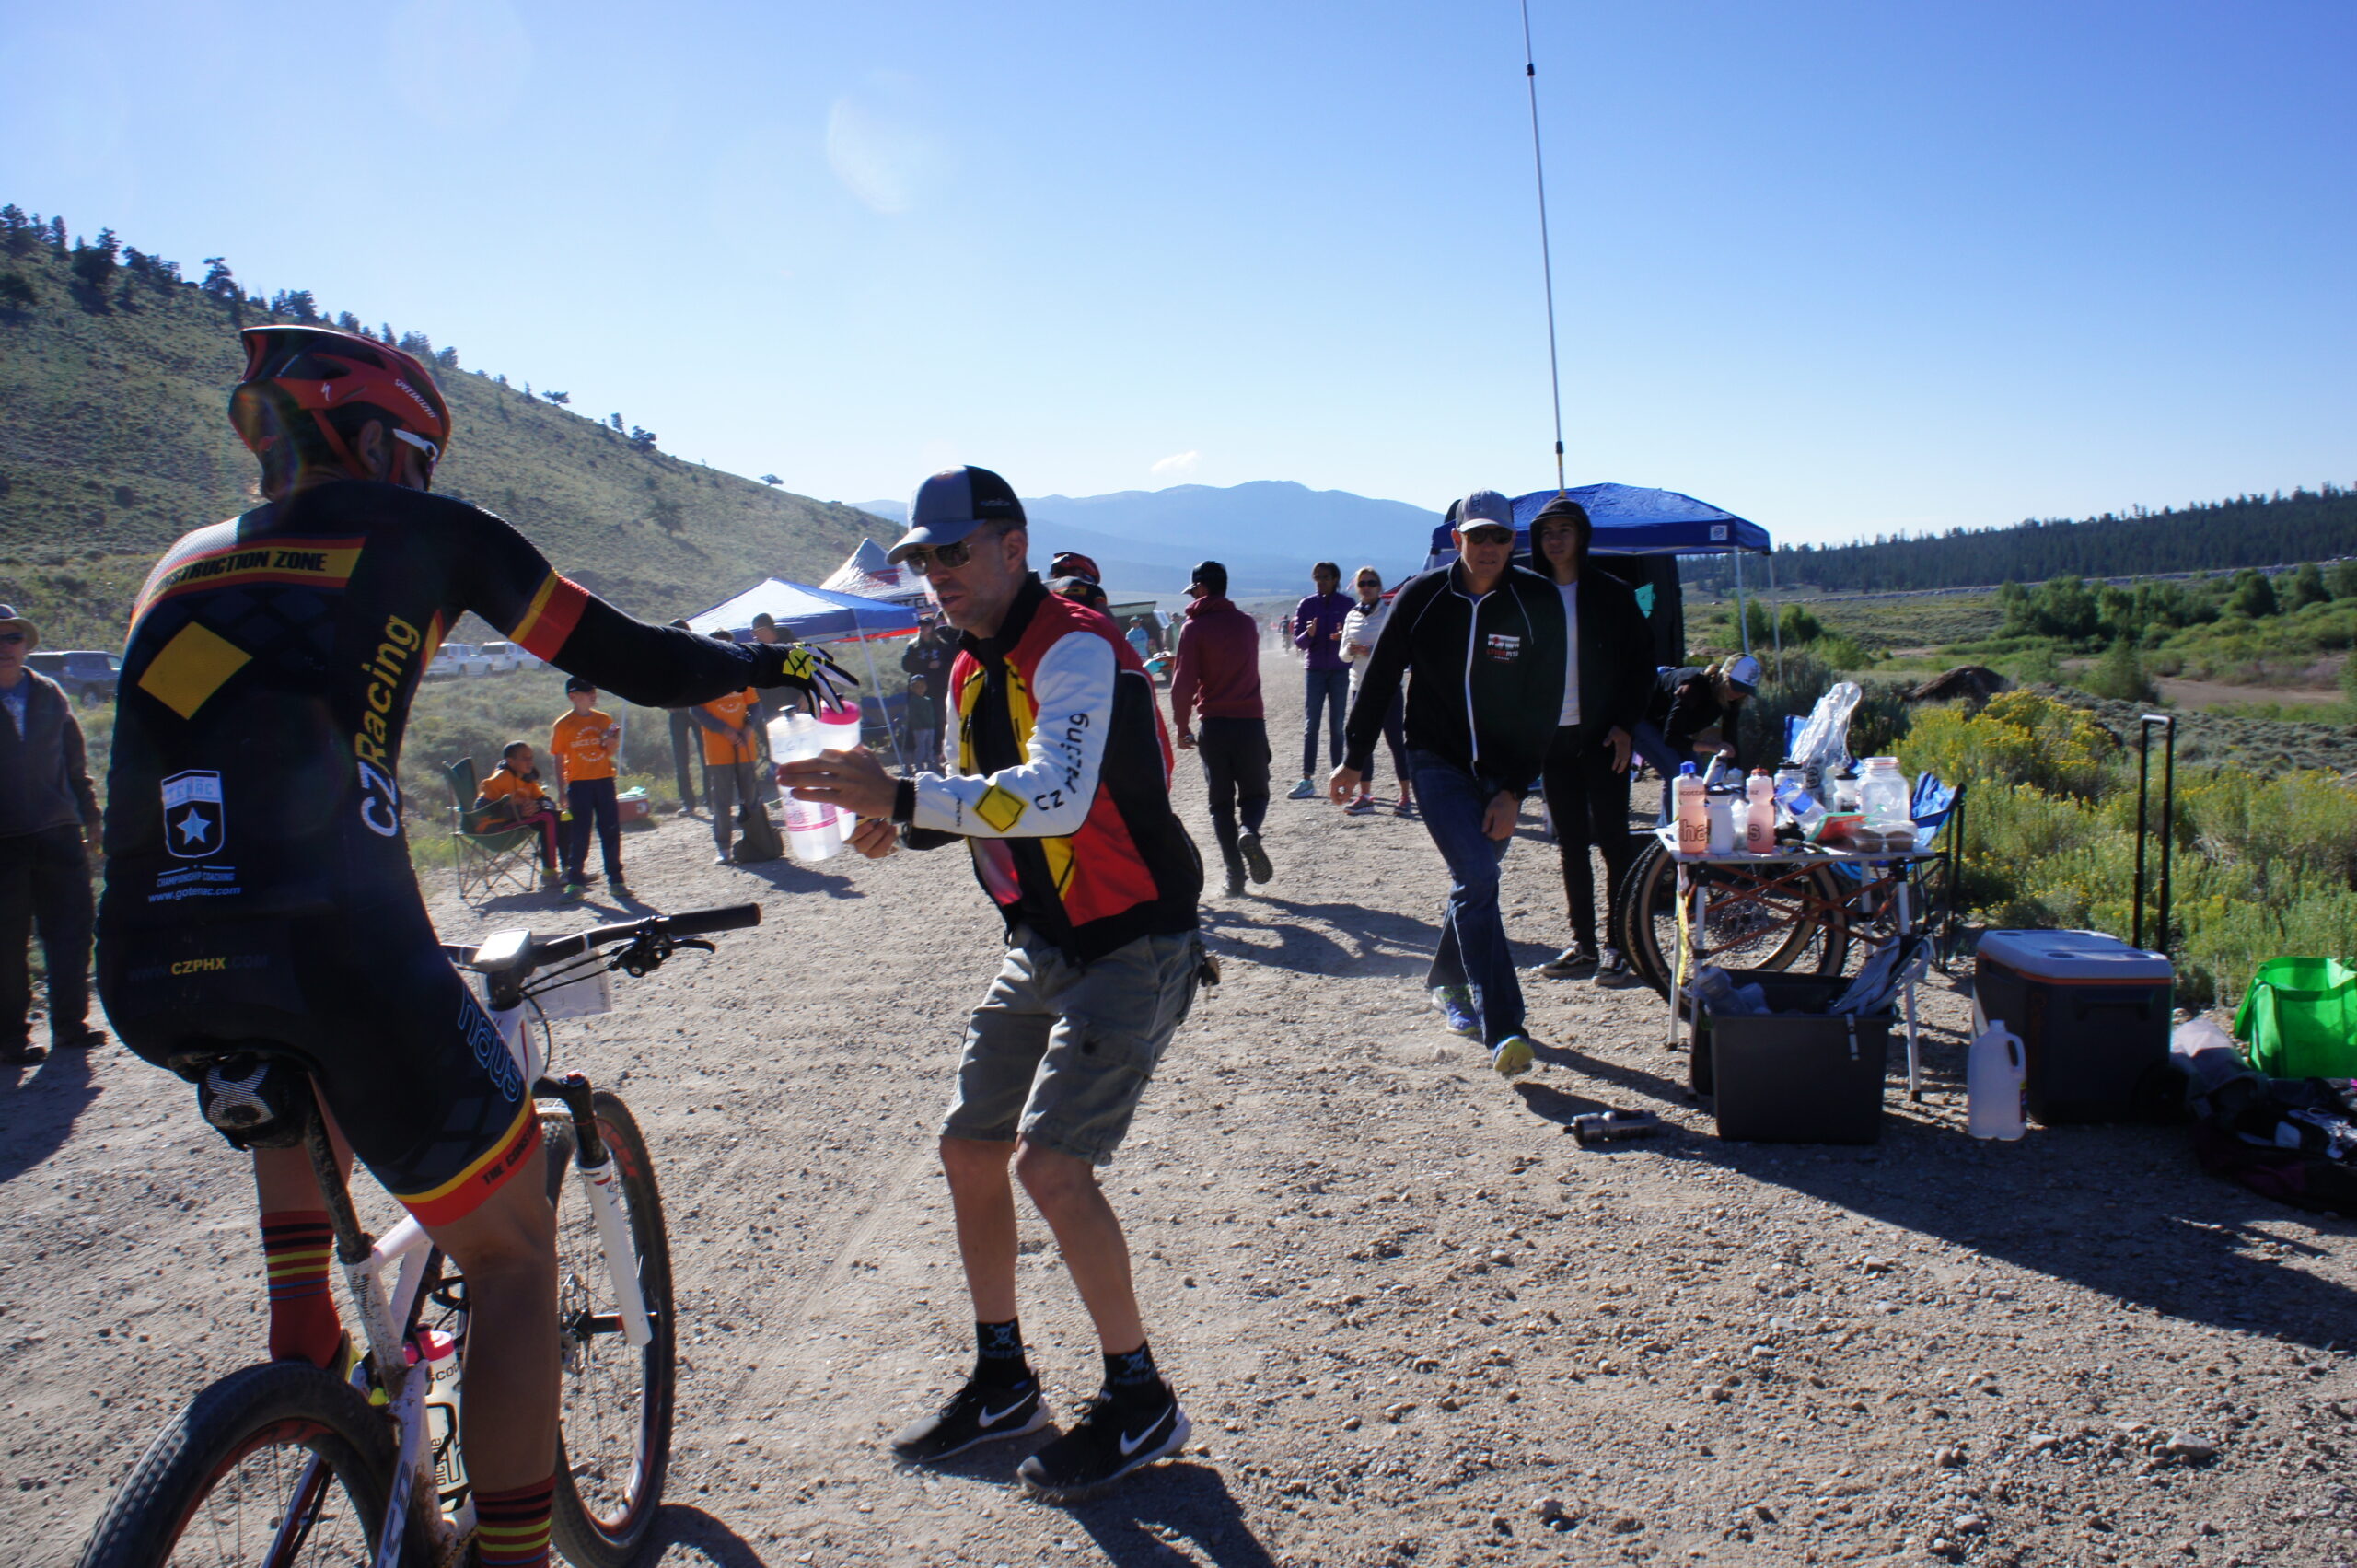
x=905 y=802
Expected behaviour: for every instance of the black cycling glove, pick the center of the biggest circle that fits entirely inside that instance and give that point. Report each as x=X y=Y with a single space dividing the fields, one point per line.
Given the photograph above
x=803 y=667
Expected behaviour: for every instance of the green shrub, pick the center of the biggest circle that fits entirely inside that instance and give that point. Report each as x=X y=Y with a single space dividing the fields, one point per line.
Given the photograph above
x=2122 y=675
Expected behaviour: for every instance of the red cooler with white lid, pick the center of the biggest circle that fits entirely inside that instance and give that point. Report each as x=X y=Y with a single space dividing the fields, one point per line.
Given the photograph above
x=2094 y=1017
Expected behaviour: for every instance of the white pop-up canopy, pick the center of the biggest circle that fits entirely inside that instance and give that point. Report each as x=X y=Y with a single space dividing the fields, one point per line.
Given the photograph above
x=815 y=615
x=868 y=574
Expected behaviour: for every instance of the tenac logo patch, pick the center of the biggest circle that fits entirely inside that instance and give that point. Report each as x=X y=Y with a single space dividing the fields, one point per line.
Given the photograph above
x=193 y=821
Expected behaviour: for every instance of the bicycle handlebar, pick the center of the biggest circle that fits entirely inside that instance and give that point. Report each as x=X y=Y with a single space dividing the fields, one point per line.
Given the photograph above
x=541 y=952
x=688 y=923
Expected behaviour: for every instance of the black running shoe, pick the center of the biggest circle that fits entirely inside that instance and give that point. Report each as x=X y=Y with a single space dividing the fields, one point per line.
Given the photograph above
x=1256 y=859
x=978 y=1412
x=1110 y=1439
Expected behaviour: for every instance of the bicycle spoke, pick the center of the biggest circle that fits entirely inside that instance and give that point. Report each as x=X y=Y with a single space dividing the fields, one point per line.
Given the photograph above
x=276 y=1505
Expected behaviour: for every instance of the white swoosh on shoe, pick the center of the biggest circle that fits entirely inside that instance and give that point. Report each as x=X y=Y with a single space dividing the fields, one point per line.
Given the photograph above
x=1131 y=1445
x=992 y=1418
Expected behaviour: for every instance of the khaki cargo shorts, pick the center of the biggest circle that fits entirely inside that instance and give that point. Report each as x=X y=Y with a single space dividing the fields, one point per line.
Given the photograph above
x=1060 y=1055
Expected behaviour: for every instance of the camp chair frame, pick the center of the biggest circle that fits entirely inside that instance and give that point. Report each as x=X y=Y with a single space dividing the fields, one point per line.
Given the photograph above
x=486 y=865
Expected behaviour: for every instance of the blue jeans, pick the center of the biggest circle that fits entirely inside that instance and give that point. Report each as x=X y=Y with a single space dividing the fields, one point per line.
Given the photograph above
x=1473 y=949
x=1649 y=743
x=1331 y=690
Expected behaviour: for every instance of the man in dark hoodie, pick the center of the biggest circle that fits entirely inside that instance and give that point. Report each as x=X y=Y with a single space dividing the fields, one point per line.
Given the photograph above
x=1218 y=676
x=1484 y=641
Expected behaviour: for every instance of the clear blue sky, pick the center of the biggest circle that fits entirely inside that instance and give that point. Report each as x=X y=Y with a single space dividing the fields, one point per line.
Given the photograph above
x=1839 y=267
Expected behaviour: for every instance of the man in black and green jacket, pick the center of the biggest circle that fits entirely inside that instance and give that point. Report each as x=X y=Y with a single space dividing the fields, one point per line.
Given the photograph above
x=1484 y=641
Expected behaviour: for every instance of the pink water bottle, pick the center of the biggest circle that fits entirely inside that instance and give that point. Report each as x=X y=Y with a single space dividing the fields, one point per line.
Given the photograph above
x=1759 y=813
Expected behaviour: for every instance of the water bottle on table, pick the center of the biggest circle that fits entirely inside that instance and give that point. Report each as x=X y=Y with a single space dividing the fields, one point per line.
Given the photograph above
x=1693 y=812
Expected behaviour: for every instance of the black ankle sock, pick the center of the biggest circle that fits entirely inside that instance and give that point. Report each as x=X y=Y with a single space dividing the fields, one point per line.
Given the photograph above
x=998 y=1353
x=1132 y=1379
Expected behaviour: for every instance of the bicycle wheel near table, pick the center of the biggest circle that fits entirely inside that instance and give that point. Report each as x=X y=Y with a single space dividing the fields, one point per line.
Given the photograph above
x=279 y=1464
x=1765 y=918
x=614 y=1419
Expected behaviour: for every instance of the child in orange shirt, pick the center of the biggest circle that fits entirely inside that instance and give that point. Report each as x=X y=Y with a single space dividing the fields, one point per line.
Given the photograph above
x=512 y=798
x=585 y=743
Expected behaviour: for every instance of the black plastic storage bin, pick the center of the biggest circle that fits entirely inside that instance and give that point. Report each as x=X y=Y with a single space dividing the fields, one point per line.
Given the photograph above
x=1796 y=1074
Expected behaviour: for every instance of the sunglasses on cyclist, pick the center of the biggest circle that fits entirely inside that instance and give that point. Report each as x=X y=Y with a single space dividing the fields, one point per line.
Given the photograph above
x=921 y=562
x=11 y=637
x=433 y=453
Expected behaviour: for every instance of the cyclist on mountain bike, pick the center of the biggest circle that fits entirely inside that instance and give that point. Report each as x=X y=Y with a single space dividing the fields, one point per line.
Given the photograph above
x=259 y=893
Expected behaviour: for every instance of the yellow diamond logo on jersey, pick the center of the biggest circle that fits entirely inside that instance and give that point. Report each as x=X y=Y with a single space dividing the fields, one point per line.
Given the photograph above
x=999 y=808
x=193 y=667
x=194 y=825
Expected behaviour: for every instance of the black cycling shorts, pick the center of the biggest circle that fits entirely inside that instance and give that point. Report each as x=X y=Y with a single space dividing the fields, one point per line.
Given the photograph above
x=405 y=1058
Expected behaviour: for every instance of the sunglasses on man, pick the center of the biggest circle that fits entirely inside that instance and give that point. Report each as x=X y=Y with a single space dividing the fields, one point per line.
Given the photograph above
x=922 y=561
x=11 y=637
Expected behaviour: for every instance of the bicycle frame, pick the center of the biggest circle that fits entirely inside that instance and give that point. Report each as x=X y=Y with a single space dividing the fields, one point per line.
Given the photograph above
x=387 y=1311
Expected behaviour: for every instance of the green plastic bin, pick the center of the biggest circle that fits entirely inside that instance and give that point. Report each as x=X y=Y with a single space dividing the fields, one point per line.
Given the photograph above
x=2299 y=1018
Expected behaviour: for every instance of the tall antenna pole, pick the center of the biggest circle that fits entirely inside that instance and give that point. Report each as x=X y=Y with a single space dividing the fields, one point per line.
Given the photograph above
x=1546 y=256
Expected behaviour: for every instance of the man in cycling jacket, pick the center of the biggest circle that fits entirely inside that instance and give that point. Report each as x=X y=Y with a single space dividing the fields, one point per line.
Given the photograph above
x=259 y=894
x=1484 y=641
x=1063 y=795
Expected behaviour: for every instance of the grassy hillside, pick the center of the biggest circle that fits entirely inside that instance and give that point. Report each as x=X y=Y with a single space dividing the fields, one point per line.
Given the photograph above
x=116 y=442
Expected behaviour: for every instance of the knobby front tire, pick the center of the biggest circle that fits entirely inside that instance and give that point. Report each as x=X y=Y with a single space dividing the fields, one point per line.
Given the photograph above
x=213 y=1488
x=614 y=1423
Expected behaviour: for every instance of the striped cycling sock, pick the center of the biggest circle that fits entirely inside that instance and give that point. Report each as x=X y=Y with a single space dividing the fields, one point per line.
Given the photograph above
x=512 y=1528
x=295 y=1247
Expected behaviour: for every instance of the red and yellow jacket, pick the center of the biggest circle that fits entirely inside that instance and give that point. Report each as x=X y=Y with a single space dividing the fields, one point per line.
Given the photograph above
x=1064 y=787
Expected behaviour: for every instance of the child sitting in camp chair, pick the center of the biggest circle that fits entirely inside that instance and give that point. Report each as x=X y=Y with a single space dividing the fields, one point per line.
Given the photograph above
x=512 y=798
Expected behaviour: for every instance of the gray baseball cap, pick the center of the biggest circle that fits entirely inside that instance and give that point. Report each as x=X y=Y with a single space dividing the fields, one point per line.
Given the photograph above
x=953 y=504
x=1743 y=673
x=1486 y=508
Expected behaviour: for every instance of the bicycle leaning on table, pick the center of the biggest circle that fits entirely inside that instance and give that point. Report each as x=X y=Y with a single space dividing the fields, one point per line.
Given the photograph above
x=284 y=1463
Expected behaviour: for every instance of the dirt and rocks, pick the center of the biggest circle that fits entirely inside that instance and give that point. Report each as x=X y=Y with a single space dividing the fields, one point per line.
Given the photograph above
x=1413 y=1321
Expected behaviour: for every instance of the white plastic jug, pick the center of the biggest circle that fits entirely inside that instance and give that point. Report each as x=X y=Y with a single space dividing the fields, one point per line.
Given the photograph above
x=813 y=832
x=1994 y=1069
x=1759 y=813
x=1693 y=812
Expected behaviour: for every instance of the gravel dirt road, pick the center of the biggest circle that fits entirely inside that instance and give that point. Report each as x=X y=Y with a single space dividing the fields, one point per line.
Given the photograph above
x=1402 y=1306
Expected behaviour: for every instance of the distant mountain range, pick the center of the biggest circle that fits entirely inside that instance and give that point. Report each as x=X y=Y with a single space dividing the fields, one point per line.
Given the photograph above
x=1268 y=533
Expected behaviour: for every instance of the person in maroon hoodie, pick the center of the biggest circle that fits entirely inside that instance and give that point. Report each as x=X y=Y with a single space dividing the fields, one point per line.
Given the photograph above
x=1218 y=675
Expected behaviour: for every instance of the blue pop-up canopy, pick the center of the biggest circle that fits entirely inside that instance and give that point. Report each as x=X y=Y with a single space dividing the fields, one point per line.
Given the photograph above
x=815 y=615
x=1646 y=530
x=1631 y=520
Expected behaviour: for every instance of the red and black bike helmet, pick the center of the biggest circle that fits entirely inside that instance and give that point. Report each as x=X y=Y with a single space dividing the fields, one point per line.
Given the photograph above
x=342 y=380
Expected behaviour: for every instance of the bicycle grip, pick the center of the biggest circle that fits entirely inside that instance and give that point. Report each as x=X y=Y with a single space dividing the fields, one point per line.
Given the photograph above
x=727 y=917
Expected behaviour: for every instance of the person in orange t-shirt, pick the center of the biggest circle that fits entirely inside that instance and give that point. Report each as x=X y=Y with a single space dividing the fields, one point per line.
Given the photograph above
x=731 y=727
x=583 y=744
x=512 y=798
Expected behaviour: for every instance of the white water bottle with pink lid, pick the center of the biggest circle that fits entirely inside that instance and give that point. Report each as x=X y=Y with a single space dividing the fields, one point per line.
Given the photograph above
x=839 y=731
x=1759 y=813
x=813 y=832
x=1693 y=812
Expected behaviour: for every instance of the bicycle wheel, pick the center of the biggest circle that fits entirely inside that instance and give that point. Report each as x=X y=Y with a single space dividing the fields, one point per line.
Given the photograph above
x=614 y=1424
x=280 y=1464
x=1781 y=929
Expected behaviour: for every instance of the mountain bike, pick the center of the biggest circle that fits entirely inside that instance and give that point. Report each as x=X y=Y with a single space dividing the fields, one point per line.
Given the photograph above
x=284 y=1463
